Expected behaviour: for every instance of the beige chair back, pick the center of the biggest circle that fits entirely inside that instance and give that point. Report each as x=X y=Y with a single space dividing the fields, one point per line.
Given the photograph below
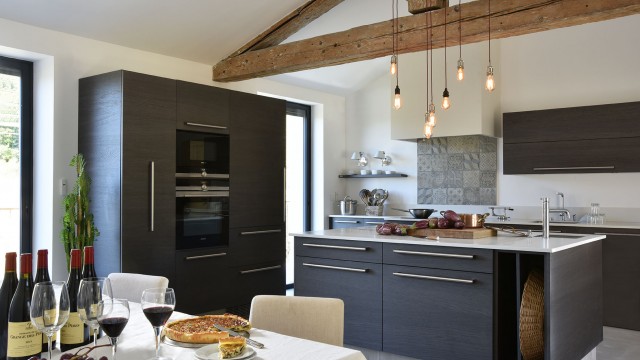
x=318 y=319
x=130 y=286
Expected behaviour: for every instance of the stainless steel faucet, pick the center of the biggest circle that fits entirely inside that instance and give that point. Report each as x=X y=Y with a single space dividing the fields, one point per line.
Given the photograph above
x=545 y=218
x=565 y=215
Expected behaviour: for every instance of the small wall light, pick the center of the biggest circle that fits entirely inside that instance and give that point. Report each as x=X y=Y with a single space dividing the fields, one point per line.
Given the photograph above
x=386 y=159
x=359 y=156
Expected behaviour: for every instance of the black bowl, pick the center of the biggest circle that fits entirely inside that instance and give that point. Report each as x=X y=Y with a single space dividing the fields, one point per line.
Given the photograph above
x=421 y=213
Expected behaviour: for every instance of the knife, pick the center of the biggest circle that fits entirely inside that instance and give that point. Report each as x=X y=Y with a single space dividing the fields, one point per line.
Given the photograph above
x=231 y=332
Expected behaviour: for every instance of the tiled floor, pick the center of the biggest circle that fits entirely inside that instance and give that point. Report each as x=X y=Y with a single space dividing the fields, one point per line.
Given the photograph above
x=619 y=344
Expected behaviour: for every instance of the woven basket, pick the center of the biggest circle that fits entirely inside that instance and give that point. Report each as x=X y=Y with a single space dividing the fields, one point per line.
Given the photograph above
x=532 y=317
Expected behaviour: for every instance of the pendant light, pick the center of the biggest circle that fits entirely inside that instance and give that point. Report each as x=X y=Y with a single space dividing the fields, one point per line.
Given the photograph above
x=490 y=84
x=446 y=103
x=460 y=73
x=397 y=101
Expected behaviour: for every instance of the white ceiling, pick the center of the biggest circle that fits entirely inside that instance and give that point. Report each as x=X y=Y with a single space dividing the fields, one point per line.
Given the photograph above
x=206 y=31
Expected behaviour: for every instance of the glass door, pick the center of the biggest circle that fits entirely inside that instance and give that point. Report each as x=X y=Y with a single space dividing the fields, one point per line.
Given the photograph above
x=15 y=156
x=298 y=177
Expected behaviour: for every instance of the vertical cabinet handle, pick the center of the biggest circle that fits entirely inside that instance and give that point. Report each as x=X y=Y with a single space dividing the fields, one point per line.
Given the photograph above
x=152 y=193
x=284 y=194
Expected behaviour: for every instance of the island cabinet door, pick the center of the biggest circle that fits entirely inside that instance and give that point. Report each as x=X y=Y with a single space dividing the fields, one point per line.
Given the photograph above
x=358 y=284
x=437 y=314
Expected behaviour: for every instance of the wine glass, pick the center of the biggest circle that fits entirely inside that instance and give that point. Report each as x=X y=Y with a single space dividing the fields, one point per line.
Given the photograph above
x=49 y=307
x=113 y=315
x=90 y=292
x=157 y=305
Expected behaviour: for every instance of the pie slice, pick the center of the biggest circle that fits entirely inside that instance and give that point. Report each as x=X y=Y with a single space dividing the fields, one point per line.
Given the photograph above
x=231 y=347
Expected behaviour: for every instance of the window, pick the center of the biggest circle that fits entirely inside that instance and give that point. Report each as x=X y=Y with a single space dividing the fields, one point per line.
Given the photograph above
x=16 y=155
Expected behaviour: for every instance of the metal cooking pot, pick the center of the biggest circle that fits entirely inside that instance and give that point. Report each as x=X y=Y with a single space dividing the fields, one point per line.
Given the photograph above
x=418 y=213
x=473 y=220
x=348 y=206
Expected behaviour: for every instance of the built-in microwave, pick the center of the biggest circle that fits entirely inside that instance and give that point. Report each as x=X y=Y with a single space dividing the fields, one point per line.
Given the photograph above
x=202 y=153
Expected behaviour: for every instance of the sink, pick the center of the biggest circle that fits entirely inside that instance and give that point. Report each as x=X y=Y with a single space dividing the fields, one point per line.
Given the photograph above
x=558 y=222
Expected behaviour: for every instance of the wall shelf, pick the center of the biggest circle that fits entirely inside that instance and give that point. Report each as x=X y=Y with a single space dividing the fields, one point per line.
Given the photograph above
x=373 y=176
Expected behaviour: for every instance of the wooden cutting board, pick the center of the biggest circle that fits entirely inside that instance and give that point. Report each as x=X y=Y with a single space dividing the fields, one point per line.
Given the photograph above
x=470 y=233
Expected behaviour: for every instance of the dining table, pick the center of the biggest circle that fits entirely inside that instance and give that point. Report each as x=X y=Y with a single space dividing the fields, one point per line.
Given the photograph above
x=137 y=342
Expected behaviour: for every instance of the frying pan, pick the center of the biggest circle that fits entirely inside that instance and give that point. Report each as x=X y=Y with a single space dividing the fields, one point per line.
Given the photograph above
x=418 y=213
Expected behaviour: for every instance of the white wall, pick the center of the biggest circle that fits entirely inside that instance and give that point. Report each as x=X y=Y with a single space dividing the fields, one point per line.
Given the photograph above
x=583 y=65
x=62 y=59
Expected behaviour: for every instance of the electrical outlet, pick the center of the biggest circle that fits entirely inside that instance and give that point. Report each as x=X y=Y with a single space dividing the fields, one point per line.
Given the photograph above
x=63 y=187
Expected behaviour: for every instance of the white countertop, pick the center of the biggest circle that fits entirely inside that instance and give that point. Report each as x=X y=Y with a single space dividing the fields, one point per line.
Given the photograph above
x=511 y=222
x=503 y=241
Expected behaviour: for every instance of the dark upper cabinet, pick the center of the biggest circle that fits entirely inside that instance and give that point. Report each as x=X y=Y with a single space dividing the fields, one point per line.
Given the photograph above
x=126 y=131
x=202 y=108
x=257 y=153
x=601 y=138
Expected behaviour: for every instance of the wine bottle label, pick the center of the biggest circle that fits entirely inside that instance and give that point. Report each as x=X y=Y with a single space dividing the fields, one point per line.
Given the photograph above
x=92 y=315
x=73 y=331
x=23 y=339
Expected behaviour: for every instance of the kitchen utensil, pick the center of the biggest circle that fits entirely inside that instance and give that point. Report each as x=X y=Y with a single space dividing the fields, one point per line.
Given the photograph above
x=364 y=195
x=418 y=213
x=231 y=332
x=473 y=220
x=385 y=195
x=348 y=206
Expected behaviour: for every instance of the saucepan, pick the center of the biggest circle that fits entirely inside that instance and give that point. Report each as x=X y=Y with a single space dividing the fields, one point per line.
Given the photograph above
x=418 y=213
x=473 y=220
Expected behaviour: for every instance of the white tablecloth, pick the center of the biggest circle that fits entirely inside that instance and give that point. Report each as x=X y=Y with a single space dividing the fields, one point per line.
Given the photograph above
x=137 y=343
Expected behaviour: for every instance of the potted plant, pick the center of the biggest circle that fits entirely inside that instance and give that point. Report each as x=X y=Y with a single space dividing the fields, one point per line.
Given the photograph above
x=78 y=229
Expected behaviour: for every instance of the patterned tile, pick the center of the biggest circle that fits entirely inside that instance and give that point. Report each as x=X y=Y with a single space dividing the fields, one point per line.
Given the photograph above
x=488 y=161
x=454 y=179
x=471 y=196
x=488 y=144
x=470 y=179
x=470 y=144
x=488 y=179
x=424 y=163
x=425 y=196
x=455 y=196
x=439 y=197
x=439 y=162
x=424 y=147
x=455 y=145
x=471 y=161
x=439 y=145
x=487 y=196
x=454 y=162
x=423 y=179
x=436 y=179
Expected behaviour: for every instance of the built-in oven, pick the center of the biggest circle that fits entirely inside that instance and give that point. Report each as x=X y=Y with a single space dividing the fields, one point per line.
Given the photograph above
x=205 y=153
x=202 y=211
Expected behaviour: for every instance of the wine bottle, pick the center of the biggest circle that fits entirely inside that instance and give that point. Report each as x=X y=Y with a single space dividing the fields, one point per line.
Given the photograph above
x=88 y=268
x=24 y=339
x=89 y=271
x=9 y=285
x=74 y=333
x=42 y=274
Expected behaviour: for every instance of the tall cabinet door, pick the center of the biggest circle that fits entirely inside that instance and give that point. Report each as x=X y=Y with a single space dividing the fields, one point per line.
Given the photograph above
x=148 y=174
x=257 y=136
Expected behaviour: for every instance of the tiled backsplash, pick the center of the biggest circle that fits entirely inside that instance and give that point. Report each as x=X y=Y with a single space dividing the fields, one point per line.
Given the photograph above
x=460 y=170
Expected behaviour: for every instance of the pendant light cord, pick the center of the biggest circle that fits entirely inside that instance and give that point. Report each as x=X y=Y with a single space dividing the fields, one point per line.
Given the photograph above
x=431 y=56
x=426 y=25
x=445 y=47
x=460 y=27
x=489 y=32
x=396 y=28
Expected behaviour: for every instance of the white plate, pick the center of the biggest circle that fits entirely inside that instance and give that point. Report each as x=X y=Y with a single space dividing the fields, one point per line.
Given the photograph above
x=210 y=352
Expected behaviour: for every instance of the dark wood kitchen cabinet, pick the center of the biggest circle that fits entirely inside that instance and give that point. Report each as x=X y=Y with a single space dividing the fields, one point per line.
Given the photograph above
x=127 y=134
x=347 y=270
x=600 y=138
x=201 y=108
x=257 y=152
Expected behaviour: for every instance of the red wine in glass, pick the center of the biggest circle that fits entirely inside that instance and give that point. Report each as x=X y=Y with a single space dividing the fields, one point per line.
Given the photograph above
x=113 y=326
x=158 y=315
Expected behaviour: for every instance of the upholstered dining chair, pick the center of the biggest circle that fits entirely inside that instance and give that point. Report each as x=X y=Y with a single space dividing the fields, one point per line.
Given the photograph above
x=130 y=286
x=312 y=318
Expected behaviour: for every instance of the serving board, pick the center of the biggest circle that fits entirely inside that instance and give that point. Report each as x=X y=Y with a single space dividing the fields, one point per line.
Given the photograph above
x=470 y=233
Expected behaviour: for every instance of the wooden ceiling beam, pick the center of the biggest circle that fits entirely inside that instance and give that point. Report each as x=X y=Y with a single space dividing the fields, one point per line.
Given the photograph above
x=508 y=18
x=288 y=25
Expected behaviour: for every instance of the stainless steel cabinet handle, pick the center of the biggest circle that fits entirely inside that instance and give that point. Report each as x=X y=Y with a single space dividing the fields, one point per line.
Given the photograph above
x=336 y=247
x=260 y=232
x=575 y=168
x=437 y=278
x=206 y=125
x=616 y=234
x=284 y=195
x=347 y=221
x=335 y=267
x=204 y=256
x=261 y=269
x=374 y=222
x=152 y=194
x=457 y=256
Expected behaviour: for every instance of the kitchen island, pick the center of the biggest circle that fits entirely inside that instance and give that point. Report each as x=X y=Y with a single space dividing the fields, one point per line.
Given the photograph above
x=458 y=298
